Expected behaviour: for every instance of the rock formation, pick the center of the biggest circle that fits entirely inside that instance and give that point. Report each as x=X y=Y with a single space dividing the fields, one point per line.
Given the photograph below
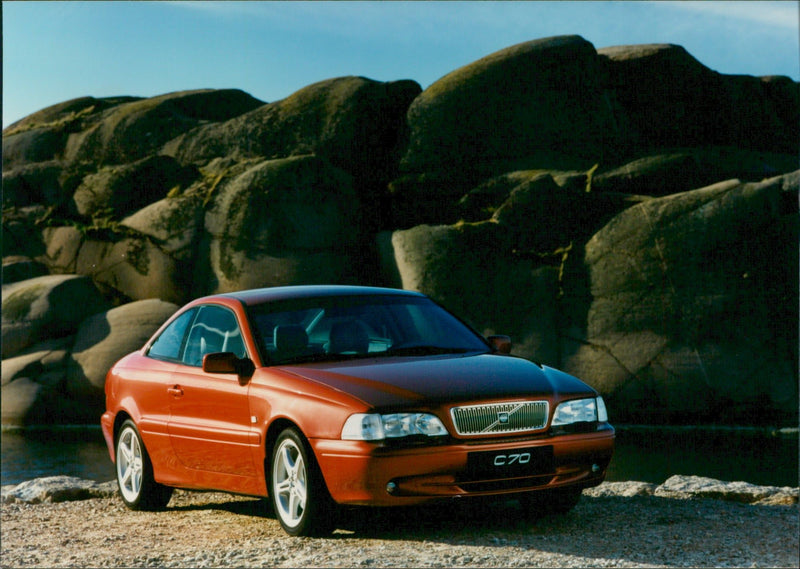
x=625 y=214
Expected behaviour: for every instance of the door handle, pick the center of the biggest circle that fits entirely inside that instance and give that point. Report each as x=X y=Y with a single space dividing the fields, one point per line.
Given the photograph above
x=175 y=391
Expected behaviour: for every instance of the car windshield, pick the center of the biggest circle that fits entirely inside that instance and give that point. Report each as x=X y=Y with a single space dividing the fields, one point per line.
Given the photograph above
x=344 y=327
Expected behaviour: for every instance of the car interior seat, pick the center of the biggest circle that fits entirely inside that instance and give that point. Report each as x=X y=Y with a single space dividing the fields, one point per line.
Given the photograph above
x=348 y=337
x=290 y=341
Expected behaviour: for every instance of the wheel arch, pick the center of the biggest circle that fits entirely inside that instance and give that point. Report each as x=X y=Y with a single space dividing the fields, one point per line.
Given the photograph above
x=273 y=432
x=119 y=419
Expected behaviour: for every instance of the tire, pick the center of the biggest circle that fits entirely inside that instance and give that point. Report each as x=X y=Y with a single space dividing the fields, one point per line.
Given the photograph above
x=297 y=490
x=137 y=487
x=556 y=502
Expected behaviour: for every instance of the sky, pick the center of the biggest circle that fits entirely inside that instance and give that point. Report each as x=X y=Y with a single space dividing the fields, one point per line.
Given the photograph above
x=56 y=51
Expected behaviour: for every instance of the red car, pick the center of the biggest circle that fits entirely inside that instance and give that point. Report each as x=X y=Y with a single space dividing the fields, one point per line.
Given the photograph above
x=325 y=395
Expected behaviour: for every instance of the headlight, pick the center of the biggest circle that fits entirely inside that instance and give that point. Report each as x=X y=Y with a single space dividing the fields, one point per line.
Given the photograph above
x=581 y=411
x=375 y=427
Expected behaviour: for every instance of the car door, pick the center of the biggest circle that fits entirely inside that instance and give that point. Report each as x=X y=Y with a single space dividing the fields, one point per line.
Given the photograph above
x=148 y=378
x=209 y=424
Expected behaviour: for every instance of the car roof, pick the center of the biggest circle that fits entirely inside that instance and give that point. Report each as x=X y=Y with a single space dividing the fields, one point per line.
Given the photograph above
x=271 y=294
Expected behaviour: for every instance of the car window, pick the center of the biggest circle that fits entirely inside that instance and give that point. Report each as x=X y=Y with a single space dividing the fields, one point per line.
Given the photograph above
x=376 y=325
x=214 y=329
x=169 y=342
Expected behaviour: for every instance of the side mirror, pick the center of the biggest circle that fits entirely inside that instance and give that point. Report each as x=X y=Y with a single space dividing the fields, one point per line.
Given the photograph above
x=228 y=362
x=500 y=343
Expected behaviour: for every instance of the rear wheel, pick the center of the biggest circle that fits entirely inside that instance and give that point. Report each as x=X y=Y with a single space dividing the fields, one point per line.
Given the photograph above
x=137 y=487
x=297 y=490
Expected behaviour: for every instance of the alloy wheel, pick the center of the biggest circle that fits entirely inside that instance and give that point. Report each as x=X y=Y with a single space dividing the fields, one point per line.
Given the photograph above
x=130 y=465
x=290 y=483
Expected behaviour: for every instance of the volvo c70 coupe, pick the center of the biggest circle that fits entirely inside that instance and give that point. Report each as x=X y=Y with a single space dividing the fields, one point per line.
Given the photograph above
x=321 y=396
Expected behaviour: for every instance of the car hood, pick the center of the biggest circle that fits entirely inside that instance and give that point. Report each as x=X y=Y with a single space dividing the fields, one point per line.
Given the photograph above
x=401 y=381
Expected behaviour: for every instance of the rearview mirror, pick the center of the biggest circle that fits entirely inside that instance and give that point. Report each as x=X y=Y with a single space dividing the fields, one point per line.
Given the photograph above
x=500 y=343
x=228 y=362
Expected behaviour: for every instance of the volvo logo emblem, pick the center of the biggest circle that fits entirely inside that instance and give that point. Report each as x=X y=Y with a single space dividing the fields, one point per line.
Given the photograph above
x=502 y=417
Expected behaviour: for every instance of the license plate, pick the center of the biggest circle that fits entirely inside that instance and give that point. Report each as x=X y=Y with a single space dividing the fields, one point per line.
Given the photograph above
x=510 y=463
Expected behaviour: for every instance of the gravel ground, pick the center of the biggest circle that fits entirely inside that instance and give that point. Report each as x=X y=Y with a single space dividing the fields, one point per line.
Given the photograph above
x=220 y=530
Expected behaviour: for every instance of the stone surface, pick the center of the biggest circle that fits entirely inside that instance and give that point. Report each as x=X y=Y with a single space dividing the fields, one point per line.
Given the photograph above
x=487 y=110
x=32 y=383
x=124 y=189
x=104 y=338
x=694 y=302
x=17 y=269
x=46 y=307
x=57 y=489
x=737 y=491
x=65 y=488
x=625 y=214
x=281 y=222
x=687 y=104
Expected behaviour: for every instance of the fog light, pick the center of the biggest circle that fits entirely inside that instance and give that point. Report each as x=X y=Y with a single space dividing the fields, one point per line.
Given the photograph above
x=391 y=487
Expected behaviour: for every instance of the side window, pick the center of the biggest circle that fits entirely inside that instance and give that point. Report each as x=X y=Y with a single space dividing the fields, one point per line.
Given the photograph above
x=214 y=330
x=169 y=342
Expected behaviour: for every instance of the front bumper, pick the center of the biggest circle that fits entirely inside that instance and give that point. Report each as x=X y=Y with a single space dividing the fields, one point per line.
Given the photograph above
x=361 y=473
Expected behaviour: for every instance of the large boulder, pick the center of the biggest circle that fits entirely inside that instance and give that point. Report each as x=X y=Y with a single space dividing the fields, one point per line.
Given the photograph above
x=61 y=381
x=356 y=123
x=694 y=305
x=30 y=184
x=22 y=231
x=556 y=103
x=20 y=268
x=547 y=191
x=115 y=191
x=532 y=102
x=104 y=338
x=61 y=247
x=125 y=268
x=43 y=135
x=672 y=171
x=543 y=216
x=33 y=382
x=668 y=98
x=474 y=271
x=135 y=129
x=18 y=400
x=174 y=223
x=45 y=307
x=284 y=221
x=39 y=359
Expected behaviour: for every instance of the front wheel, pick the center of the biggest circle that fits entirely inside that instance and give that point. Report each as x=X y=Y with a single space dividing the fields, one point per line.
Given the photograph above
x=137 y=487
x=297 y=490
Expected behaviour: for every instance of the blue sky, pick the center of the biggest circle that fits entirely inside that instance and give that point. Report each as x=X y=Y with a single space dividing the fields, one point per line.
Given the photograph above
x=55 y=51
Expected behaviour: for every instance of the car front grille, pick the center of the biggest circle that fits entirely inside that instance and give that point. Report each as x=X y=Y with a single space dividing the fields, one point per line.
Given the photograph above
x=514 y=417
